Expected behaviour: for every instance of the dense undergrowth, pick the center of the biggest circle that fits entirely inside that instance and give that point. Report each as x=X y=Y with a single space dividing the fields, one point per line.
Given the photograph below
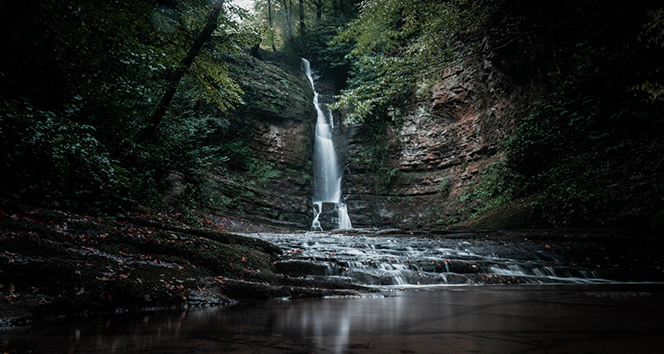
x=79 y=82
x=589 y=149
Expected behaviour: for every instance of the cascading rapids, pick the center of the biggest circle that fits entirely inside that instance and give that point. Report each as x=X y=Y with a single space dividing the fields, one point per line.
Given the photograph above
x=327 y=176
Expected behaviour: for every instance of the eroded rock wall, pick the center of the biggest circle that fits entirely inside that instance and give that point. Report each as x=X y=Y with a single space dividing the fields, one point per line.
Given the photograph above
x=275 y=187
x=438 y=152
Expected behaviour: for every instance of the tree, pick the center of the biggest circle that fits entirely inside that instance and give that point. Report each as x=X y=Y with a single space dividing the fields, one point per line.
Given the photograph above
x=398 y=44
x=287 y=6
x=301 y=3
x=184 y=65
x=269 y=19
x=318 y=5
x=80 y=79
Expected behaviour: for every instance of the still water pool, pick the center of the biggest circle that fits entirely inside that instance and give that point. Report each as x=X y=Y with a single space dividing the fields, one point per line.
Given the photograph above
x=618 y=318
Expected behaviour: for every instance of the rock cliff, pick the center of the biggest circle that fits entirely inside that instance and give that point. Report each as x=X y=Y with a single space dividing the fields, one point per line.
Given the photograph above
x=438 y=148
x=274 y=187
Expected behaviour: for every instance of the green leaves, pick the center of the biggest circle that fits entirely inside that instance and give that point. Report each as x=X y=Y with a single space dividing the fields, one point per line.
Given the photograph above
x=80 y=79
x=51 y=155
x=214 y=85
x=397 y=45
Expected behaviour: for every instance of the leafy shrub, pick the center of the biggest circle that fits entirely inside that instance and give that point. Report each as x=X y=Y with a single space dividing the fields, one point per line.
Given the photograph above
x=498 y=186
x=50 y=158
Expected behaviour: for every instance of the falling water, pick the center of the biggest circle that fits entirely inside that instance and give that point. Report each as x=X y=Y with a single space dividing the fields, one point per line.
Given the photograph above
x=327 y=176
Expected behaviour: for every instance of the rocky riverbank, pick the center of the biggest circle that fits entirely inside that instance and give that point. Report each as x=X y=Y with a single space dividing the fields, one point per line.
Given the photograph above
x=56 y=263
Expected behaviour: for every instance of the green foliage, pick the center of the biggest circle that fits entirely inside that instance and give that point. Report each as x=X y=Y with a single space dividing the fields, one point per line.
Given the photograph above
x=327 y=56
x=214 y=85
x=51 y=157
x=397 y=45
x=444 y=186
x=78 y=80
x=546 y=135
x=652 y=35
x=599 y=122
x=497 y=186
x=373 y=157
x=377 y=83
x=283 y=28
x=262 y=171
x=568 y=149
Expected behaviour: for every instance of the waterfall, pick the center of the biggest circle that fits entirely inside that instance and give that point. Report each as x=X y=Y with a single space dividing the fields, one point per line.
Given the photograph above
x=327 y=175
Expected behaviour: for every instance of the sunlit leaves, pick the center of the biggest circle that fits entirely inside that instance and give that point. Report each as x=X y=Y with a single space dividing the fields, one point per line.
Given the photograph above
x=89 y=74
x=398 y=44
x=377 y=81
x=214 y=83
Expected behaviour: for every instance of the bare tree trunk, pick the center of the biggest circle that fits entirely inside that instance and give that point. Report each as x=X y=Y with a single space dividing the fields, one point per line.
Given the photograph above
x=288 y=7
x=184 y=65
x=319 y=10
x=301 y=3
x=302 y=33
x=290 y=19
x=269 y=20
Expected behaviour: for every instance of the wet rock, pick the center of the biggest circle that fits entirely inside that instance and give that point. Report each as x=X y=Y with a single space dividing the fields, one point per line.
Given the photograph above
x=299 y=268
x=245 y=290
x=275 y=187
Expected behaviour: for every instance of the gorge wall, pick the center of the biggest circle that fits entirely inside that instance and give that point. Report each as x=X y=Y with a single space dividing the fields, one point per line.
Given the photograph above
x=438 y=149
x=275 y=186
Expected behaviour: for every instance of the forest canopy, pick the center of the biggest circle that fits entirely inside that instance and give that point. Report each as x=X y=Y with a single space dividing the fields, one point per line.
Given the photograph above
x=80 y=80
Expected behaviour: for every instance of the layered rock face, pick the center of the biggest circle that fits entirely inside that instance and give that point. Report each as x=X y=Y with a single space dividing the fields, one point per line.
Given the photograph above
x=276 y=187
x=445 y=141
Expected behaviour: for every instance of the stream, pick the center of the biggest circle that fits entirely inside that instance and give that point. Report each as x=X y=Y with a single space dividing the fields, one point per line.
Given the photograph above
x=399 y=262
x=524 y=319
x=434 y=296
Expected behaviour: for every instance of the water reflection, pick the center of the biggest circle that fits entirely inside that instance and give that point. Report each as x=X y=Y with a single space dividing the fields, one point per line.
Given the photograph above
x=605 y=319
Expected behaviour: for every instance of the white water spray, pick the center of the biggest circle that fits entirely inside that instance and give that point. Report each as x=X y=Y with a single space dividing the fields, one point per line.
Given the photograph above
x=327 y=176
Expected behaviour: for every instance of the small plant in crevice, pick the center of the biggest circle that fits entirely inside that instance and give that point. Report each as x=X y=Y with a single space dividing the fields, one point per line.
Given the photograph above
x=263 y=172
x=444 y=186
x=498 y=186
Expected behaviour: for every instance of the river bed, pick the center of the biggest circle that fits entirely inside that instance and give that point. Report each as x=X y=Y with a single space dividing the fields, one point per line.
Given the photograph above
x=469 y=319
x=431 y=296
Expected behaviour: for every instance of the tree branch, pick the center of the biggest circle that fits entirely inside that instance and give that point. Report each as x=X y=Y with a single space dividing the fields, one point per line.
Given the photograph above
x=182 y=68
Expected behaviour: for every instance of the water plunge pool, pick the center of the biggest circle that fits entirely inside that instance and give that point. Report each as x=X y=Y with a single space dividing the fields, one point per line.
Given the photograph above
x=483 y=319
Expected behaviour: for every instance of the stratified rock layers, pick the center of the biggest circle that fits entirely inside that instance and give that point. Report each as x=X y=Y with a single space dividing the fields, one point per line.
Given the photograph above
x=275 y=187
x=438 y=153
